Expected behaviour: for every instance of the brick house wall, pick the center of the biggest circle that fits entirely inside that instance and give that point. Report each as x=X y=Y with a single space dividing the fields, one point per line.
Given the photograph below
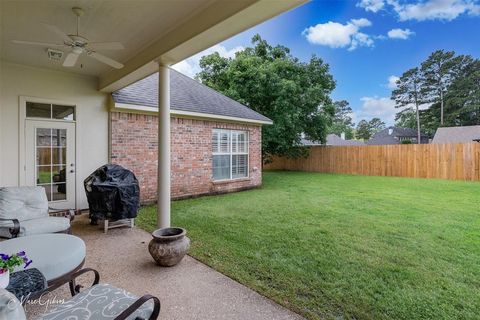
x=134 y=146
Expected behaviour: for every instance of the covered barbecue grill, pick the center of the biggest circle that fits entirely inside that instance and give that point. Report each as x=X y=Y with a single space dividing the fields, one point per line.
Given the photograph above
x=112 y=193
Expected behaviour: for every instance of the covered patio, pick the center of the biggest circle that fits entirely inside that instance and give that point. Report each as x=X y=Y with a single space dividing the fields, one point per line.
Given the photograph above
x=190 y=290
x=155 y=35
x=145 y=37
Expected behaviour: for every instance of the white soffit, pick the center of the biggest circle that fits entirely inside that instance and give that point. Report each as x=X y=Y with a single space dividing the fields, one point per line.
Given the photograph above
x=151 y=31
x=133 y=23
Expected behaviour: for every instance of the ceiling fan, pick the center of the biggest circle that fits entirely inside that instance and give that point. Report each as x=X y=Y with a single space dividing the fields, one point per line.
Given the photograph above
x=79 y=45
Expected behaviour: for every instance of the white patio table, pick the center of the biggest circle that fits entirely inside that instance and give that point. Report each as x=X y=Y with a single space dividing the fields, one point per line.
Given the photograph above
x=54 y=255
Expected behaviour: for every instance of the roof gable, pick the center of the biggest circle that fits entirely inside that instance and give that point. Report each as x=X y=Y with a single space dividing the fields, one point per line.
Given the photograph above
x=187 y=95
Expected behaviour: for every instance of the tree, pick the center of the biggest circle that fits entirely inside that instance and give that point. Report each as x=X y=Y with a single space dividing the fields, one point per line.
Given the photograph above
x=438 y=72
x=463 y=96
x=342 y=120
x=406 y=119
x=450 y=85
x=363 y=130
x=376 y=125
x=430 y=119
x=366 y=129
x=268 y=79
x=408 y=93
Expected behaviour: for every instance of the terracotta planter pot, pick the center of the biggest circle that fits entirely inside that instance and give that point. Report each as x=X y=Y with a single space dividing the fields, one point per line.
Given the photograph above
x=169 y=246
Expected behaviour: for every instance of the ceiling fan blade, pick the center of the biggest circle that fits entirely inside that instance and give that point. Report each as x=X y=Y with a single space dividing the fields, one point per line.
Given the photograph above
x=70 y=59
x=34 y=43
x=106 y=60
x=58 y=32
x=105 y=46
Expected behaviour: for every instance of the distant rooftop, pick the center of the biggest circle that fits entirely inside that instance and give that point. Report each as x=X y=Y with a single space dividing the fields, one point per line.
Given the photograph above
x=186 y=94
x=332 y=140
x=457 y=134
x=395 y=135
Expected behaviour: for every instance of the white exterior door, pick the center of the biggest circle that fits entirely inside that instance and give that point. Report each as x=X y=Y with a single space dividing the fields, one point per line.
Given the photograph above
x=50 y=160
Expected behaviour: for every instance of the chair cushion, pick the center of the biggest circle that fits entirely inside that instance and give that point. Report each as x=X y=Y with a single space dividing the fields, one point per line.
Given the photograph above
x=54 y=255
x=38 y=226
x=10 y=306
x=102 y=301
x=23 y=203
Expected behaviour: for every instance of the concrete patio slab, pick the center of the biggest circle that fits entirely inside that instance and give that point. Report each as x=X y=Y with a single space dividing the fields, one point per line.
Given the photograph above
x=190 y=290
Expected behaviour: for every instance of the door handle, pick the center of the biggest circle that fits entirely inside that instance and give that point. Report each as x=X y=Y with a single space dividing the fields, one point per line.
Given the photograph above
x=72 y=171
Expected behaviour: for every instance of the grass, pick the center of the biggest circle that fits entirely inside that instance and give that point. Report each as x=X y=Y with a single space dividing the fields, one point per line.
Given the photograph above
x=339 y=246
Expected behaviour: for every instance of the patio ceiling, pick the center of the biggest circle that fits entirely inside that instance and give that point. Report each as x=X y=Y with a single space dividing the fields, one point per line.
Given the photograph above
x=166 y=31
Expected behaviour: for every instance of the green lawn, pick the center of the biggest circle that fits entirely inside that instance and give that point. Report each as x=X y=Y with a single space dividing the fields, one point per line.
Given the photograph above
x=339 y=246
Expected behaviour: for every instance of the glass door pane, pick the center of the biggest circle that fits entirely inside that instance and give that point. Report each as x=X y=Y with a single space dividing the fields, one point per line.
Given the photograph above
x=50 y=152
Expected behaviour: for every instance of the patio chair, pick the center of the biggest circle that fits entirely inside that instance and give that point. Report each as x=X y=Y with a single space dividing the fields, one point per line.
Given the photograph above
x=24 y=211
x=100 y=301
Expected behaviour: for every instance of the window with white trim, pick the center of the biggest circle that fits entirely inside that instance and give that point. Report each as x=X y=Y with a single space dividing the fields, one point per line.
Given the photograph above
x=230 y=154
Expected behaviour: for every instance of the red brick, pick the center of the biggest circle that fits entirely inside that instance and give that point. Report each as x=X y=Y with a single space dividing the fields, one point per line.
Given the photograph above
x=134 y=146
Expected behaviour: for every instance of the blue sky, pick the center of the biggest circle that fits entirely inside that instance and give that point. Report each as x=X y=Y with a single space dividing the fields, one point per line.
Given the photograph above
x=366 y=42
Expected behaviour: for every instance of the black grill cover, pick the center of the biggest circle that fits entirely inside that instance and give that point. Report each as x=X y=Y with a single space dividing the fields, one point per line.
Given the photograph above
x=112 y=193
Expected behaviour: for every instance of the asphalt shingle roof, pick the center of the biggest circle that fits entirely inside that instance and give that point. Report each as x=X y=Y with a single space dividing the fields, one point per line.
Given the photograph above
x=456 y=134
x=186 y=94
x=332 y=140
x=383 y=137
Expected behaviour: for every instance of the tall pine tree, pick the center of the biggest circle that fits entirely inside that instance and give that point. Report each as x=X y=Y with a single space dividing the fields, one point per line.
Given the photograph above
x=409 y=93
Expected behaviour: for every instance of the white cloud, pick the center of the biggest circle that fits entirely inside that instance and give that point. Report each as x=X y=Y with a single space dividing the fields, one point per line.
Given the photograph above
x=435 y=9
x=424 y=9
x=381 y=107
x=337 y=35
x=191 y=66
x=392 y=82
x=371 y=5
x=400 y=33
x=362 y=22
x=377 y=107
x=361 y=39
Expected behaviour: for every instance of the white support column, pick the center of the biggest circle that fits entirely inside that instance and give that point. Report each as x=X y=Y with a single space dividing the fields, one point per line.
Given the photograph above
x=163 y=181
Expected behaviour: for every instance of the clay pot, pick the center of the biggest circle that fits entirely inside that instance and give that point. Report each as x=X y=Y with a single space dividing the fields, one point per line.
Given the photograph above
x=169 y=246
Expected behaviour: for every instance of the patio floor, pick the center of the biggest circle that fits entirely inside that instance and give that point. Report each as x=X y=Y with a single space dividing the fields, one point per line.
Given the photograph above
x=190 y=290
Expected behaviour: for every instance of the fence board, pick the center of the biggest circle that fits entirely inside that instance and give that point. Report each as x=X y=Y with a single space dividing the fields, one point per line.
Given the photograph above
x=459 y=161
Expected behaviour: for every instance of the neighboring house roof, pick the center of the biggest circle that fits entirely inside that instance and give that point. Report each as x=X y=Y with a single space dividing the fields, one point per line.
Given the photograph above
x=393 y=135
x=456 y=134
x=186 y=95
x=306 y=142
x=332 y=140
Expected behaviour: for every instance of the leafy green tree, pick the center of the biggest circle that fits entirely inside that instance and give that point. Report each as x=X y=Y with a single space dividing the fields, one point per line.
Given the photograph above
x=450 y=84
x=376 y=125
x=363 y=130
x=438 y=72
x=430 y=119
x=366 y=129
x=463 y=96
x=342 y=120
x=268 y=79
x=406 y=119
x=409 y=92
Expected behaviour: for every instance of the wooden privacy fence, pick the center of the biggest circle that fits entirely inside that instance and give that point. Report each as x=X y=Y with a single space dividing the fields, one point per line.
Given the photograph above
x=459 y=161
